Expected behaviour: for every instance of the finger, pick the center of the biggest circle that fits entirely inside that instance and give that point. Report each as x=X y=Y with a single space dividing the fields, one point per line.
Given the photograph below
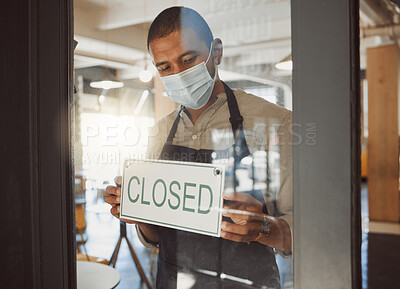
x=112 y=190
x=243 y=215
x=249 y=228
x=115 y=211
x=232 y=205
x=243 y=206
x=118 y=180
x=238 y=238
x=112 y=199
x=245 y=200
x=129 y=221
x=236 y=196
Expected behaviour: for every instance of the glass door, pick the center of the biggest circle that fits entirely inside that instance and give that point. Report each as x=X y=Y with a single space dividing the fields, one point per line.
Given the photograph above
x=248 y=46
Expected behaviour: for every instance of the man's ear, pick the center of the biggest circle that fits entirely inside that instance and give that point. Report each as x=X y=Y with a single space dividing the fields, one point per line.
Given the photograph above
x=217 y=51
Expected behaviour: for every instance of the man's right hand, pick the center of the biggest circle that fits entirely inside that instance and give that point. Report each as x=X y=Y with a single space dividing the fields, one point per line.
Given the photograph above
x=113 y=197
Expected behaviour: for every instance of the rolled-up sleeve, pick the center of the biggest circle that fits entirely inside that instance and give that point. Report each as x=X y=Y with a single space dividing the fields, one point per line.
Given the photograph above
x=143 y=239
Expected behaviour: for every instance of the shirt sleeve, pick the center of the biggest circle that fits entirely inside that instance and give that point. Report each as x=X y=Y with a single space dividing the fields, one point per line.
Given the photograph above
x=284 y=197
x=143 y=239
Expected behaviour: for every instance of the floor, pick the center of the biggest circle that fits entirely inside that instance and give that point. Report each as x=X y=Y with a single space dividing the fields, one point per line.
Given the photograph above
x=103 y=233
x=380 y=248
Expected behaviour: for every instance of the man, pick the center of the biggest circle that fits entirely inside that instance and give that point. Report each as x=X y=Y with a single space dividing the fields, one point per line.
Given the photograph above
x=187 y=57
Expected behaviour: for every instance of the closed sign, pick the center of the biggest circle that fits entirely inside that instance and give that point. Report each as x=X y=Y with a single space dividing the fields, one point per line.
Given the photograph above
x=179 y=195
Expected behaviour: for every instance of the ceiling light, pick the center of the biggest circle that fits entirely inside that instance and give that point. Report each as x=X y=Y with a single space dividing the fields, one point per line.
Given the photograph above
x=107 y=81
x=106 y=84
x=285 y=64
x=145 y=76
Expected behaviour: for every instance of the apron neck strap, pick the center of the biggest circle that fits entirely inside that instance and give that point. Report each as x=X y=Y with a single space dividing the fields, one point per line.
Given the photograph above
x=235 y=118
x=174 y=127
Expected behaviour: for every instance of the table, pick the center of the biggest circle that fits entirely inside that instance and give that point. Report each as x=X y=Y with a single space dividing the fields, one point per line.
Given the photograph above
x=94 y=275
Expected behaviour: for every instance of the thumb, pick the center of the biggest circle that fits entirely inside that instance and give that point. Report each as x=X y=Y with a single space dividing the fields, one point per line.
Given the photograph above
x=118 y=180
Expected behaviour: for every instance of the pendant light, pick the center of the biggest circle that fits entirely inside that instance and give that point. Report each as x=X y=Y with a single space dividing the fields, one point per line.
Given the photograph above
x=145 y=75
x=285 y=64
x=107 y=80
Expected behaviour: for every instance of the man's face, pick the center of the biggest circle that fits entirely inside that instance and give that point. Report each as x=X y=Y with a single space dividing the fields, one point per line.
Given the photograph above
x=179 y=51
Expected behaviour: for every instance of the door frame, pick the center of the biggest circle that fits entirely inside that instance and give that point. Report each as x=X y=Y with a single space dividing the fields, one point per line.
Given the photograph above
x=326 y=118
x=38 y=217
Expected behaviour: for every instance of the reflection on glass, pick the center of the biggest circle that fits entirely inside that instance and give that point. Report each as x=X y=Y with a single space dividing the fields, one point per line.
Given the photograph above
x=253 y=176
x=242 y=123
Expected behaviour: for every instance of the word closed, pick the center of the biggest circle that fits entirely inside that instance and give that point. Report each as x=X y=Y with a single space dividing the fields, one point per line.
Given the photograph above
x=179 y=195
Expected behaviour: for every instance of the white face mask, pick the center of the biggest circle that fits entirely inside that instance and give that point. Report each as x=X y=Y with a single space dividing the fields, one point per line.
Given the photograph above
x=191 y=88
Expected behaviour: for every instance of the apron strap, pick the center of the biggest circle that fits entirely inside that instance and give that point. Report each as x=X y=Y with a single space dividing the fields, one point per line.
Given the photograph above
x=174 y=127
x=236 y=119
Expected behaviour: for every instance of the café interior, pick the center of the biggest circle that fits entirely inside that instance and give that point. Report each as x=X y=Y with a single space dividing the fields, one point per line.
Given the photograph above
x=119 y=96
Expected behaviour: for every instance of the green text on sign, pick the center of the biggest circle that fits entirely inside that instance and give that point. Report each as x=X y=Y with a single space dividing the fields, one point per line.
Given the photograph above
x=186 y=196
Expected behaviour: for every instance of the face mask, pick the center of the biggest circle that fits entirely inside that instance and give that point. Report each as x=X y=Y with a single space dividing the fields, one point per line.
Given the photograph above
x=191 y=88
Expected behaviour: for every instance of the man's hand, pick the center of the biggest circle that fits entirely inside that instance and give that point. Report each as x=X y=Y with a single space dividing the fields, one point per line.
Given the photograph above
x=113 y=197
x=247 y=215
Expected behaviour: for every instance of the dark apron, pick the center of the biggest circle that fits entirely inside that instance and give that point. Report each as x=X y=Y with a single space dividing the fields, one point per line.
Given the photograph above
x=203 y=260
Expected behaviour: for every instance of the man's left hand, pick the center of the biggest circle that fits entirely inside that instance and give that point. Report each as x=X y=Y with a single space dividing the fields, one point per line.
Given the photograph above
x=246 y=213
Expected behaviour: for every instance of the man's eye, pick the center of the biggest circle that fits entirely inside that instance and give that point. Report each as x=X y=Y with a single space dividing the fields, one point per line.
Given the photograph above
x=190 y=60
x=163 y=68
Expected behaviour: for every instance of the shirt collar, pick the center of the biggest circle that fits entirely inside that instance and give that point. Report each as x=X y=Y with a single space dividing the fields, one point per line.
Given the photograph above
x=221 y=99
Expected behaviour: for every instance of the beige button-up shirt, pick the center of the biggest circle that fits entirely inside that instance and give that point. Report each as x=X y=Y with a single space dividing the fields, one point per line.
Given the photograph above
x=266 y=125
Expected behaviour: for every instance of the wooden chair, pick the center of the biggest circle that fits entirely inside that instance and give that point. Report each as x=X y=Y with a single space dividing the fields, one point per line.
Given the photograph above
x=153 y=265
x=80 y=224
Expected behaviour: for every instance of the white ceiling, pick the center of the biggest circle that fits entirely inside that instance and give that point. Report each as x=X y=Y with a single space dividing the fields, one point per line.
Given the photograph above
x=256 y=33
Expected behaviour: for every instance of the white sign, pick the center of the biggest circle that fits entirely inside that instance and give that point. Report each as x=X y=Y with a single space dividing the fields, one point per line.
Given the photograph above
x=180 y=195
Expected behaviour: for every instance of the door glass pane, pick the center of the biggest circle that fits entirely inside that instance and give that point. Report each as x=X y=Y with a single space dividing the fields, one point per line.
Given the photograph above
x=129 y=93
